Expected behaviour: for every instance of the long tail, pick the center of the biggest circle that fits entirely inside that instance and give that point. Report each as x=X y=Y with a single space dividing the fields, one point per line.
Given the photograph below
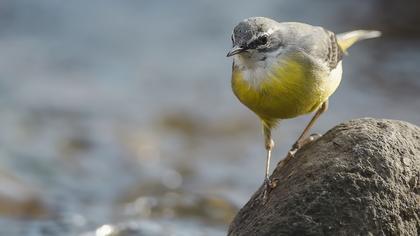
x=347 y=39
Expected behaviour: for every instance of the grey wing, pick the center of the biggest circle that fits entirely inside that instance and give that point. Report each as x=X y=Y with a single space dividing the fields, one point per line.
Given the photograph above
x=315 y=41
x=335 y=53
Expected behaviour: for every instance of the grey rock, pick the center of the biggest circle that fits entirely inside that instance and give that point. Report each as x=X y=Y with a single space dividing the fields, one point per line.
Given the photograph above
x=361 y=178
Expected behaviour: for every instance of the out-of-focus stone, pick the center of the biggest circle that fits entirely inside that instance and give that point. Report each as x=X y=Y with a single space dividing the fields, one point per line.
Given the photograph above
x=177 y=204
x=18 y=199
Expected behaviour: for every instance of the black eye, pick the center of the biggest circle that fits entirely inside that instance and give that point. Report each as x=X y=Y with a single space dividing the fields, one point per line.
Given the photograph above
x=231 y=38
x=262 y=40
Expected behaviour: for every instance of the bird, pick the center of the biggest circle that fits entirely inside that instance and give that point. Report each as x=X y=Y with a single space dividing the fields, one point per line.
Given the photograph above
x=282 y=70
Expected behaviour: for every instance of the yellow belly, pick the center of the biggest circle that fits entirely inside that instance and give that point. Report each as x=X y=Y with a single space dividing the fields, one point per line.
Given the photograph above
x=288 y=91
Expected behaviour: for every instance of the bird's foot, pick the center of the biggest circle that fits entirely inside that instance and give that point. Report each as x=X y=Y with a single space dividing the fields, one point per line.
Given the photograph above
x=297 y=146
x=269 y=185
x=309 y=139
x=290 y=155
x=300 y=143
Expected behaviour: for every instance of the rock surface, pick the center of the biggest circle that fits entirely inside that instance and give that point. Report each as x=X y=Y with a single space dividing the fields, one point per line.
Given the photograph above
x=361 y=178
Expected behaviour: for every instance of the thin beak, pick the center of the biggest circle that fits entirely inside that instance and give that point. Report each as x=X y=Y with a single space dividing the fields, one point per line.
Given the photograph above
x=235 y=50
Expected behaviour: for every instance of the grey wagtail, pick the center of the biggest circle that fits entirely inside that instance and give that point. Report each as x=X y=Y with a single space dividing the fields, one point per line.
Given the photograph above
x=284 y=70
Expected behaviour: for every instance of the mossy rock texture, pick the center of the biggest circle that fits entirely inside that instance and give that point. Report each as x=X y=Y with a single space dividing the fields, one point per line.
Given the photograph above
x=361 y=178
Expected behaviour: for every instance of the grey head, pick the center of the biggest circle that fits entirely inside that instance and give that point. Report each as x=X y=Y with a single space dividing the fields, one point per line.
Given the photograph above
x=255 y=34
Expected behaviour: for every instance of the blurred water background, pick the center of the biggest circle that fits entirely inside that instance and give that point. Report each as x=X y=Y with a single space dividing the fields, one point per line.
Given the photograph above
x=117 y=117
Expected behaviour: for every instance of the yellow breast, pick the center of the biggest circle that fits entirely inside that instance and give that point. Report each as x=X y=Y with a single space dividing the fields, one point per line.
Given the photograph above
x=286 y=90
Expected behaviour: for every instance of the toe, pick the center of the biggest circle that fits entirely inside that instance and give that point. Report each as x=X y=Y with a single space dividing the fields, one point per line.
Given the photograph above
x=273 y=183
x=268 y=186
x=313 y=137
x=291 y=153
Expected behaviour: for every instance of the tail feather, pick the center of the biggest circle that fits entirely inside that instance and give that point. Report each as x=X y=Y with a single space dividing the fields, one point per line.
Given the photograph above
x=347 y=39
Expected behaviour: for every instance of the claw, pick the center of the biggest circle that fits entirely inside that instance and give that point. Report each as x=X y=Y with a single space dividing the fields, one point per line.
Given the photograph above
x=291 y=153
x=289 y=156
x=311 y=139
x=295 y=147
x=300 y=143
x=269 y=185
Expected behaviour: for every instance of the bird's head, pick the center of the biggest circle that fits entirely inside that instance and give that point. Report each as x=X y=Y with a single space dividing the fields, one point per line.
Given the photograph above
x=254 y=36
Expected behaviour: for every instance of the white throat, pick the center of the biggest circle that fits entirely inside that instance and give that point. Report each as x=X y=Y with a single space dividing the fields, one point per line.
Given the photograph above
x=257 y=66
